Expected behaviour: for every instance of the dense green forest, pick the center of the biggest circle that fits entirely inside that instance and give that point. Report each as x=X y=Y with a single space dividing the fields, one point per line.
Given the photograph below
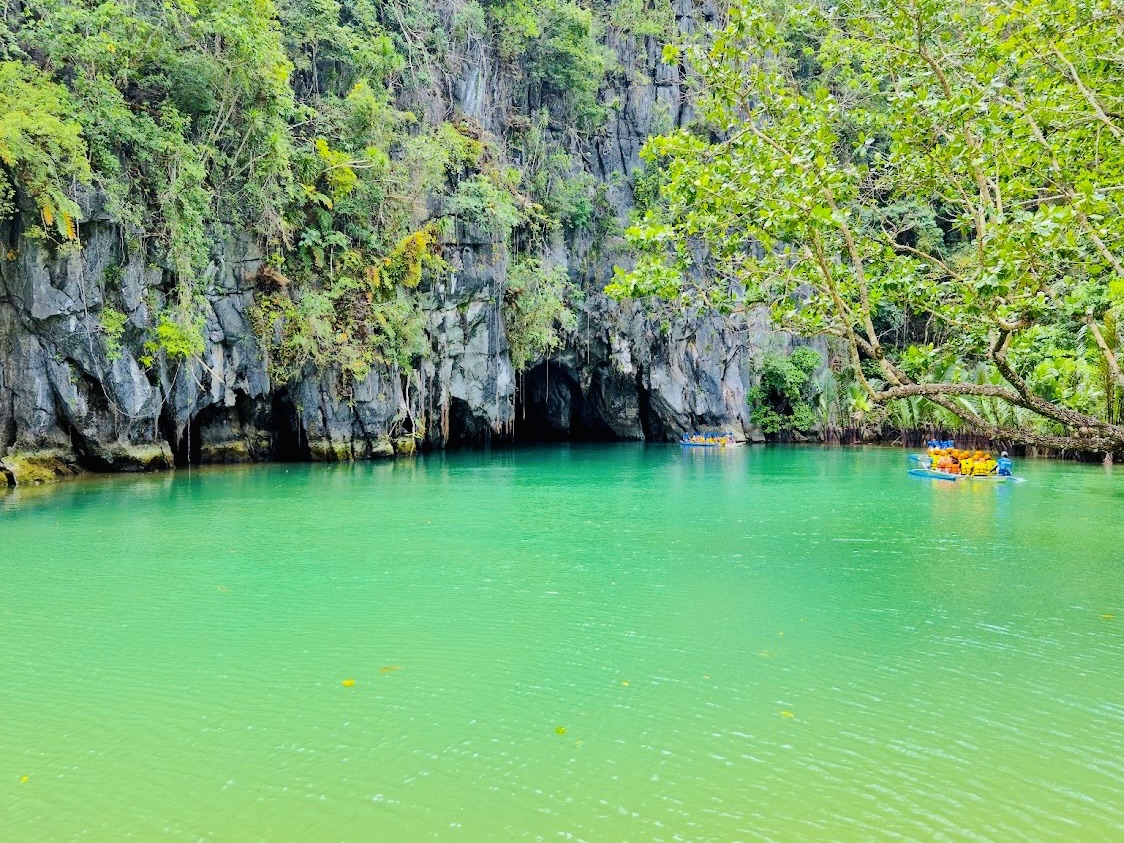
x=935 y=185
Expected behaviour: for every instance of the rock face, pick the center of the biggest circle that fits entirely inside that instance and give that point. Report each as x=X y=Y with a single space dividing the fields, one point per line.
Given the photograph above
x=630 y=377
x=72 y=396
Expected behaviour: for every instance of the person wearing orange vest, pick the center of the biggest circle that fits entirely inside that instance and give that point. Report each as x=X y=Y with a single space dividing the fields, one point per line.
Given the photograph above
x=955 y=455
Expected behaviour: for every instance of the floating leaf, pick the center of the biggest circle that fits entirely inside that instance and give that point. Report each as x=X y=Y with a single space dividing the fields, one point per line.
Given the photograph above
x=390 y=668
x=348 y=683
x=788 y=715
x=561 y=730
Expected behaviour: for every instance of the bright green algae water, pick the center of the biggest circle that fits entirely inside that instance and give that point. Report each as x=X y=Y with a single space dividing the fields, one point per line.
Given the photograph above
x=601 y=644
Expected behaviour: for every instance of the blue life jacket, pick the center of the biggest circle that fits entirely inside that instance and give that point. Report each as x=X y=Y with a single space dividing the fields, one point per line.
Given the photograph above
x=1005 y=466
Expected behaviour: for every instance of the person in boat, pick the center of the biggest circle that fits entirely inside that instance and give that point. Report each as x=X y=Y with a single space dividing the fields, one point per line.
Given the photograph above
x=984 y=466
x=945 y=462
x=1004 y=465
x=967 y=461
x=934 y=458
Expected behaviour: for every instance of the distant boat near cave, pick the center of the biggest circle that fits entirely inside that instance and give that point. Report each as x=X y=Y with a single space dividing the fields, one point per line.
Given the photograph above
x=708 y=440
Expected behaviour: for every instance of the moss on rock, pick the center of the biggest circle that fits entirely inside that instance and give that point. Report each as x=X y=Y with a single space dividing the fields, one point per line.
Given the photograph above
x=147 y=456
x=232 y=451
x=34 y=468
x=325 y=450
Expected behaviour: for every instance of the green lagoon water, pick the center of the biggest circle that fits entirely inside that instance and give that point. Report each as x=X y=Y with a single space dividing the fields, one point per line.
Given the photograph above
x=589 y=643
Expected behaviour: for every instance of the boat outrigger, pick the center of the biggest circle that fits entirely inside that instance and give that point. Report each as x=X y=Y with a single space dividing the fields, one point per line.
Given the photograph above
x=708 y=440
x=945 y=475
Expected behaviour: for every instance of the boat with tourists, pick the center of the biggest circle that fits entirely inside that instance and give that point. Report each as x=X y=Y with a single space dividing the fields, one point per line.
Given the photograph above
x=708 y=440
x=943 y=461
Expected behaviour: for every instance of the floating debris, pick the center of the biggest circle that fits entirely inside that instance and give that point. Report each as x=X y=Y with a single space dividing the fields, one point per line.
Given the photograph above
x=390 y=668
x=1107 y=617
x=624 y=682
x=347 y=683
x=561 y=730
x=23 y=779
x=788 y=715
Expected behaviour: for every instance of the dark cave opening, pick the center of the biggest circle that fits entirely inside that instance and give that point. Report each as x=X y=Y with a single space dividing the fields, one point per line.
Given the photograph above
x=644 y=404
x=251 y=430
x=289 y=442
x=550 y=407
x=466 y=429
x=188 y=447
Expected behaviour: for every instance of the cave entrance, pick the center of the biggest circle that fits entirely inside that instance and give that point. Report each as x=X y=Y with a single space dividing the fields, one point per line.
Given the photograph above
x=187 y=449
x=466 y=428
x=250 y=431
x=550 y=407
x=289 y=442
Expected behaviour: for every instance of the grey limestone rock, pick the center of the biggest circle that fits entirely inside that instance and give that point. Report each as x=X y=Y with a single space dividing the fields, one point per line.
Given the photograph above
x=71 y=397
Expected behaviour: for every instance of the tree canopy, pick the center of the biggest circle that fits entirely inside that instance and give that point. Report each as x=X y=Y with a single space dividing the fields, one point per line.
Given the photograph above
x=926 y=181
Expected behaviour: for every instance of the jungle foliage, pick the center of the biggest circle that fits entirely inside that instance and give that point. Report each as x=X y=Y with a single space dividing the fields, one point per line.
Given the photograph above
x=934 y=184
x=538 y=308
x=782 y=400
x=303 y=123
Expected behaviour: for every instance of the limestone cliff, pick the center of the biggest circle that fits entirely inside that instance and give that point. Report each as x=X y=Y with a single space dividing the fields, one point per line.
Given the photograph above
x=72 y=397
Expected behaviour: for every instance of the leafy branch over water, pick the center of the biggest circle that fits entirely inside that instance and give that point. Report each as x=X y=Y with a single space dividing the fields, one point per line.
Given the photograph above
x=923 y=181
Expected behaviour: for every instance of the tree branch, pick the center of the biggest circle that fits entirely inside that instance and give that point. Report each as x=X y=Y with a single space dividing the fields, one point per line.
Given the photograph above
x=1044 y=408
x=929 y=390
x=1109 y=355
x=1087 y=94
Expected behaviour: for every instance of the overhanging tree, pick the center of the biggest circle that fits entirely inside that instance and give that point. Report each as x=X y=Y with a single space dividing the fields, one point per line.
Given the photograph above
x=954 y=169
